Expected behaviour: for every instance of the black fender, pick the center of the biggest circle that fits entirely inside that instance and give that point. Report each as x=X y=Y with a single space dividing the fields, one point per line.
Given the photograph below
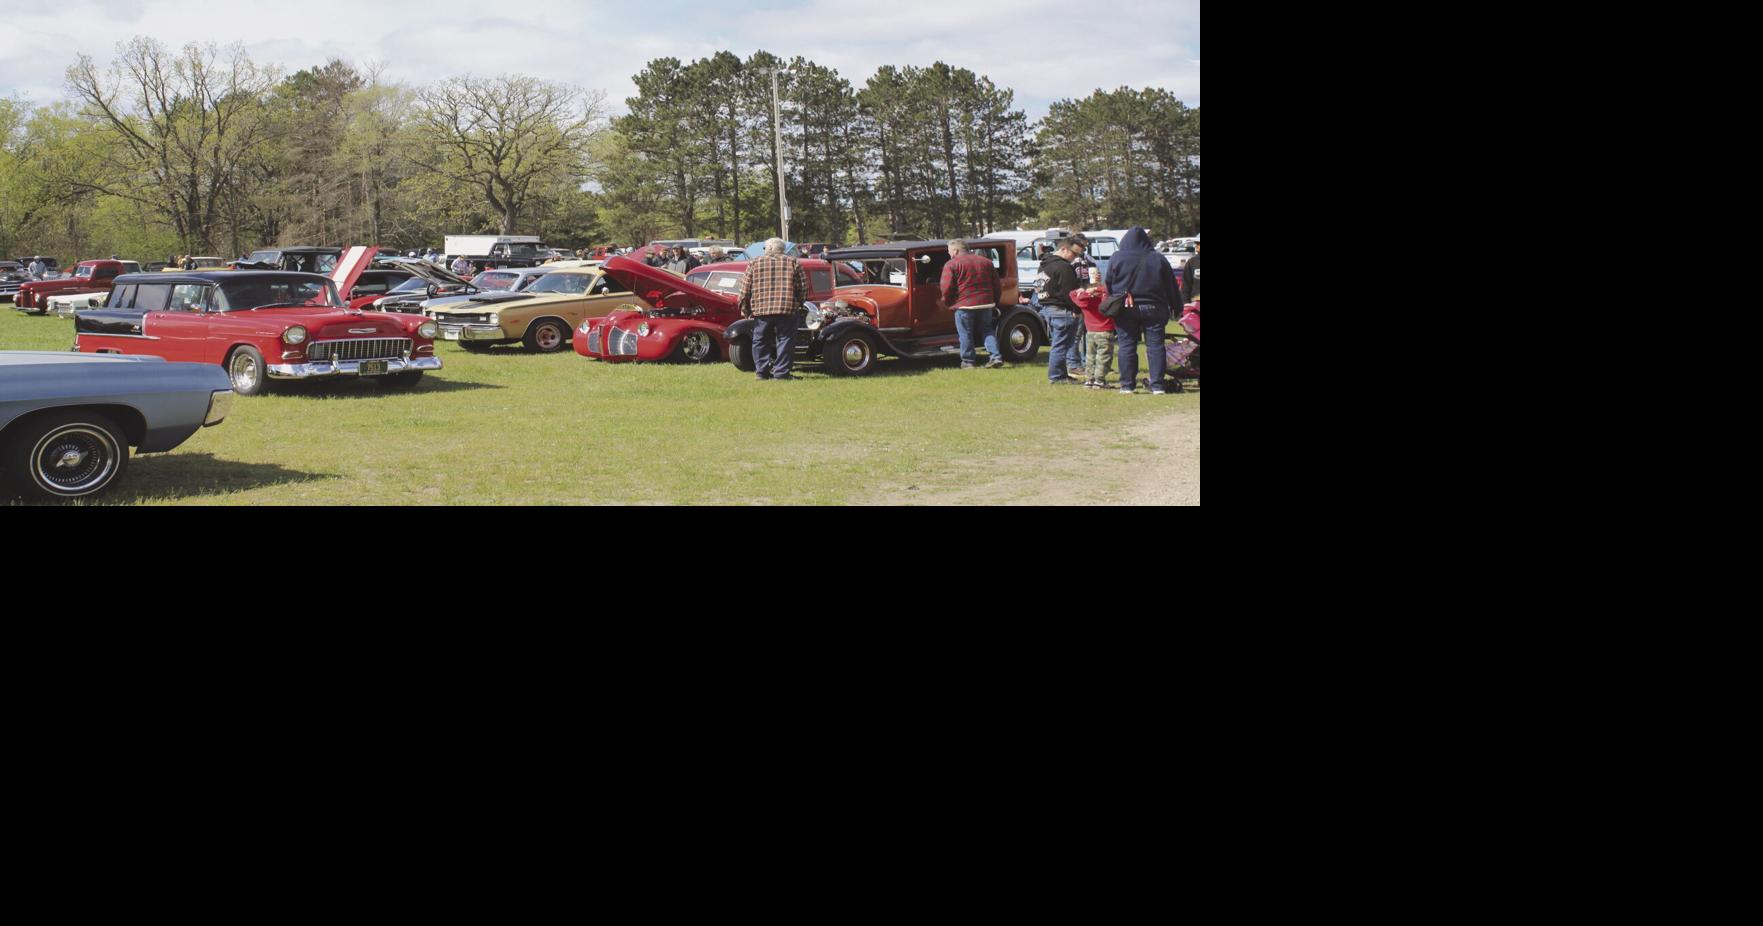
x=740 y=331
x=843 y=325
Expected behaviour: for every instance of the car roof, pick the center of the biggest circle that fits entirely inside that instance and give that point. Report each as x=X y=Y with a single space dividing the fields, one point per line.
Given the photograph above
x=214 y=276
x=899 y=248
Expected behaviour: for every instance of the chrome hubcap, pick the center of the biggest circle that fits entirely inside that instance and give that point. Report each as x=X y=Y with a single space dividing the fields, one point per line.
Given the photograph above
x=244 y=372
x=74 y=460
x=548 y=337
x=697 y=345
x=856 y=355
x=1020 y=338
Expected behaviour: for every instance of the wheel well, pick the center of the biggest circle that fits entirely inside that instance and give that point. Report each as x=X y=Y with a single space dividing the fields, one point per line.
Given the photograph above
x=567 y=327
x=133 y=423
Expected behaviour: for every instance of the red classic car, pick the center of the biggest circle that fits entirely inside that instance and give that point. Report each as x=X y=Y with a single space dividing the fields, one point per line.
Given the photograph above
x=897 y=309
x=91 y=276
x=258 y=326
x=691 y=314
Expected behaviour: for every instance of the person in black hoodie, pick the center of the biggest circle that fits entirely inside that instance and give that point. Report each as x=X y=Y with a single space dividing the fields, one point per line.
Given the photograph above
x=1149 y=283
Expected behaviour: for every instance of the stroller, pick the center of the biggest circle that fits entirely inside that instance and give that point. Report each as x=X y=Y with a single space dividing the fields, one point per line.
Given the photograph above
x=1182 y=351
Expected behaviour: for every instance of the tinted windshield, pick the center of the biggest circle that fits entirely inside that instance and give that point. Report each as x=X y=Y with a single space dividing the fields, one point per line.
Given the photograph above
x=495 y=282
x=257 y=292
x=573 y=284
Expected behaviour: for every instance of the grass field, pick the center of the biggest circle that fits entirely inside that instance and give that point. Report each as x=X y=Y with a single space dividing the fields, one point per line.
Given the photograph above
x=512 y=428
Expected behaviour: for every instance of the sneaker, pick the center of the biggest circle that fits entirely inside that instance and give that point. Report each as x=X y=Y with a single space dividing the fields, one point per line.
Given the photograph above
x=762 y=377
x=1126 y=390
x=995 y=363
x=1092 y=384
x=1075 y=374
x=1158 y=391
x=965 y=365
x=1062 y=382
x=783 y=377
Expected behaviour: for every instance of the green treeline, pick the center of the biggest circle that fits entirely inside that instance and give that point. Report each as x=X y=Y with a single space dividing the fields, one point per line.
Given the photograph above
x=201 y=150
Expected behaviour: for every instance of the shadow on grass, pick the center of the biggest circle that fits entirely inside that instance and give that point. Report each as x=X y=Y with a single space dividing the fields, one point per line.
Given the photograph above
x=170 y=478
x=366 y=389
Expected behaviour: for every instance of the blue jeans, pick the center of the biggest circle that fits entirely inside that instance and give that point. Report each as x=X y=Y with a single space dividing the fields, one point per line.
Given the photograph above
x=774 y=344
x=1146 y=321
x=975 y=325
x=1064 y=327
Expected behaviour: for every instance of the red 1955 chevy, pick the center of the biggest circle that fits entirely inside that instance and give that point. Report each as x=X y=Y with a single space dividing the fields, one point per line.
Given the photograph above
x=258 y=326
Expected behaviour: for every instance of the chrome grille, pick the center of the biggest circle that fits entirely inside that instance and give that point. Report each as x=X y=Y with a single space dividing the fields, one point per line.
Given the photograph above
x=359 y=349
x=594 y=340
x=462 y=318
x=622 y=343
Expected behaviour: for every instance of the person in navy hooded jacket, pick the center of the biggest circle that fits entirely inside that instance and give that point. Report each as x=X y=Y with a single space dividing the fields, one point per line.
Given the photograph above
x=1149 y=282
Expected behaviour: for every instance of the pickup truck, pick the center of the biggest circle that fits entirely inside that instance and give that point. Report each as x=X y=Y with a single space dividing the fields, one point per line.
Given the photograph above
x=91 y=276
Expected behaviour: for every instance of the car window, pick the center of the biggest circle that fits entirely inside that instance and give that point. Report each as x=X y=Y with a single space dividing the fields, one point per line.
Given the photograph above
x=820 y=281
x=83 y=272
x=122 y=297
x=238 y=295
x=153 y=298
x=187 y=297
x=495 y=282
x=1102 y=250
x=569 y=284
x=527 y=281
x=105 y=273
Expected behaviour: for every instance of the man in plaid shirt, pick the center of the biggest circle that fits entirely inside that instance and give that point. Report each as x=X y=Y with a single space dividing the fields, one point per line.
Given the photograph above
x=772 y=293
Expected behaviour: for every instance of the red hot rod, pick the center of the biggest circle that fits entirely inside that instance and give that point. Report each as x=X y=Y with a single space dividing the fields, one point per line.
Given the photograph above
x=690 y=315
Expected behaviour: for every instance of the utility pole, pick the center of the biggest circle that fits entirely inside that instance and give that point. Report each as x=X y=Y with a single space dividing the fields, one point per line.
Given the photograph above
x=777 y=145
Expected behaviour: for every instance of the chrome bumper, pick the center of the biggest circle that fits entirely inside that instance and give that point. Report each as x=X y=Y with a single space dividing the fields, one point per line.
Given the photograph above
x=471 y=332
x=220 y=404
x=349 y=368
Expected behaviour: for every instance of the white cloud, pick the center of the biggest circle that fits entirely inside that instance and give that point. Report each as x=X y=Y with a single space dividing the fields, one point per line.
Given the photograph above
x=1042 y=49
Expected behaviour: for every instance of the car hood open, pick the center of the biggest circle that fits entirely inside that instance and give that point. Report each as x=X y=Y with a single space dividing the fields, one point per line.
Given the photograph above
x=660 y=288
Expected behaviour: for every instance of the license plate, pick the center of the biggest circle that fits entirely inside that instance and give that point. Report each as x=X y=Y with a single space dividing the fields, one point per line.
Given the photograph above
x=373 y=368
x=451 y=334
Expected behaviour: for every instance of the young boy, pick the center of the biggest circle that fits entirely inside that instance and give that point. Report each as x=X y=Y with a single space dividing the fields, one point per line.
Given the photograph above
x=1099 y=342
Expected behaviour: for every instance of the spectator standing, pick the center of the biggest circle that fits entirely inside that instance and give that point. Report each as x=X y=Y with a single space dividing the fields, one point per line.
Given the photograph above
x=970 y=288
x=1054 y=285
x=37 y=268
x=772 y=291
x=1099 y=337
x=1138 y=271
x=461 y=266
x=1083 y=267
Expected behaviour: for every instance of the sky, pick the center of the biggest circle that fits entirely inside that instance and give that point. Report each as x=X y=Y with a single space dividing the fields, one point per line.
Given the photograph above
x=1043 y=49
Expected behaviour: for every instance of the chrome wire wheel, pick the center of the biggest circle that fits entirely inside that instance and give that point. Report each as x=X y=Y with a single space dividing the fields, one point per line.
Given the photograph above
x=75 y=459
x=246 y=373
x=698 y=347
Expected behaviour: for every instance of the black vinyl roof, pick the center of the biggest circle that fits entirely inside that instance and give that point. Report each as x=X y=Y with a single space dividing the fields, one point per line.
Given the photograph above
x=899 y=248
x=213 y=276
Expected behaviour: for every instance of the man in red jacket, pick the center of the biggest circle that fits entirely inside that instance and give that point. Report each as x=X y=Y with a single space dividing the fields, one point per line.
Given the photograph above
x=970 y=287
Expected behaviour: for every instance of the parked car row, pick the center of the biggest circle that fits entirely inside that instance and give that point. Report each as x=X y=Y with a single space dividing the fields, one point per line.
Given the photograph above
x=234 y=332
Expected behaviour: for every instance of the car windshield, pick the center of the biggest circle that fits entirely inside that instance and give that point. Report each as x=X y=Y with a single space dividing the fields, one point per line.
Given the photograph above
x=495 y=282
x=572 y=284
x=83 y=272
x=412 y=285
x=263 y=256
x=257 y=292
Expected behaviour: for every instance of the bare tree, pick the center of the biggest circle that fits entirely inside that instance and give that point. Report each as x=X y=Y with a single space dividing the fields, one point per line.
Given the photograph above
x=179 y=129
x=503 y=136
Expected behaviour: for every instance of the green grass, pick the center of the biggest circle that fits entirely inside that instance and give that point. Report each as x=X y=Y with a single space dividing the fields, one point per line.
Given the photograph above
x=512 y=428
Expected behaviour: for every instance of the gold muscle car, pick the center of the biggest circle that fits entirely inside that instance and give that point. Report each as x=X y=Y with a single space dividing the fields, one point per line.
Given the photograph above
x=541 y=318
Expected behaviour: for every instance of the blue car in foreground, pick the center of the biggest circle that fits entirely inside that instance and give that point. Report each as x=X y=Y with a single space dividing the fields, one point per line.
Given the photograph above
x=67 y=420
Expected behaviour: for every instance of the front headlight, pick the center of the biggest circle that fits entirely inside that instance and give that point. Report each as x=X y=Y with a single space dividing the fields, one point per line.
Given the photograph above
x=815 y=315
x=428 y=330
x=643 y=329
x=495 y=318
x=294 y=335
